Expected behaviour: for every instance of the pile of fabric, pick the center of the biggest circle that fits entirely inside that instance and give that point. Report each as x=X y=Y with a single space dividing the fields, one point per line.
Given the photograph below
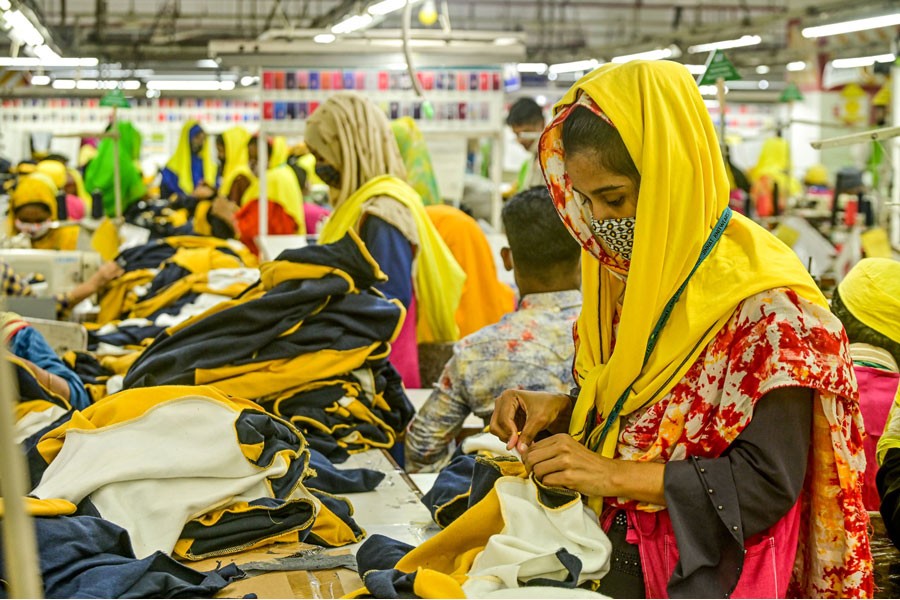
x=309 y=342
x=188 y=471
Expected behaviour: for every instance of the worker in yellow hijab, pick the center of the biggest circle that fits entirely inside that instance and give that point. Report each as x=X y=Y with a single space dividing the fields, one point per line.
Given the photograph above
x=696 y=323
x=191 y=171
x=34 y=211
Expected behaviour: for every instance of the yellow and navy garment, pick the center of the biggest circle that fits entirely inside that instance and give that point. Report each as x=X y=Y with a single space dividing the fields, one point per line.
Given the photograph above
x=217 y=473
x=518 y=534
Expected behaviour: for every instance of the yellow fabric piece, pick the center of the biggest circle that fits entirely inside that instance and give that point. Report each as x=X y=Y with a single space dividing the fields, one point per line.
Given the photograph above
x=331 y=529
x=119 y=298
x=55 y=170
x=180 y=163
x=871 y=292
x=120 y=364
x=484 y=298
x=431 y=584
x=51 y=507
x=891 y=437
x=236 y=154
x=105 y=240
x=81 y=190
x=876 y=244
x=438 y=278
x=86 y=154
x=280 y=152
x=283 y=189
x=672 y=137
x=816 y=175
x=254 y=380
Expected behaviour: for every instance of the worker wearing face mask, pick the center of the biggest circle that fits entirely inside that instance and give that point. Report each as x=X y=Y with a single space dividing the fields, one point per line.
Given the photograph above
x=34 y=212
x=526 y=119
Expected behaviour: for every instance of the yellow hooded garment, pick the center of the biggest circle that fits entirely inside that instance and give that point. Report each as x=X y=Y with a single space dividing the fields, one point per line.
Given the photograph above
x=283 y=189
x=236 y=154
x=180 y=163
x=280 y=152
x=438 y=279
x=657 y=109
x=38 y=188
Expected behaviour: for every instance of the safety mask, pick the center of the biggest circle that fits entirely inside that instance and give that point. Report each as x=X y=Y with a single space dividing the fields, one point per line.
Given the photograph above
x=33 y=230
x=329 y=175
x=616 y=234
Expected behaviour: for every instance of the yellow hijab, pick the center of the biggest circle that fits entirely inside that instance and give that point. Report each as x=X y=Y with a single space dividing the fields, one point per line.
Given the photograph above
x=280 y=151
x=236 y=154
x=282 y=188
x=38 y=188
x=180 y=163
x=438 y=279
x=666 y=127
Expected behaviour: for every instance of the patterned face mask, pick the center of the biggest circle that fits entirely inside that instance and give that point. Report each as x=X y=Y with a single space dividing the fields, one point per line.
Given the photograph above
x=616 y=234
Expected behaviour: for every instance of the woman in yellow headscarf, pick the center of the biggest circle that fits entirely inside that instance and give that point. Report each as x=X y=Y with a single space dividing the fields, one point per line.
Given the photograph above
x=283 y=193
x=357 y=156
x=717 y=429
x=191 y=171
x=33 y=211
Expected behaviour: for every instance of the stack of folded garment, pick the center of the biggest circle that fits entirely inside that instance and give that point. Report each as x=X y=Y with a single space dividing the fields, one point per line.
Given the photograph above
x=187 y=470
x=309 y=342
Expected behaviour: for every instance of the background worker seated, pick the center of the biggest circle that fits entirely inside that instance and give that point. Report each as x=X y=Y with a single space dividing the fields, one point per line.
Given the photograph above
x=529 y=349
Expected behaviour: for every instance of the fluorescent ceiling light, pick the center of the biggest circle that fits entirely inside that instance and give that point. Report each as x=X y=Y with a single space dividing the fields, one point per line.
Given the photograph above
x=539 y=68
x=23 y=29
x=862 y=61
x=5 y=5
x=397 y=67
x=851 y=26
x=385 y=7
x=658 y=54
x=797 y=65
x=64 y=84
x=351 y=24
x=762 y=69
x=696 y=69
x=248 y=80
x=45 y=53
x=505 y=41
x=710 y=90
x=27 y=61
x=747 y=40
x=189 y=86
x=572 y=67
x=324 y=38
x=40 y=80
x=131 y=84
x=763 y=84
x=207 y=63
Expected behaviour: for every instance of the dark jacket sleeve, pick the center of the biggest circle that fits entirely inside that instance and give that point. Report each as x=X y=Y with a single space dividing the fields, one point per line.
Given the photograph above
x=716 y=504
x=393 y=253
x=888 y=482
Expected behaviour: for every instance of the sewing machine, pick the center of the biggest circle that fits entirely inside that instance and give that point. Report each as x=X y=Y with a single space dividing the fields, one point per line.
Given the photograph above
x=62 y=269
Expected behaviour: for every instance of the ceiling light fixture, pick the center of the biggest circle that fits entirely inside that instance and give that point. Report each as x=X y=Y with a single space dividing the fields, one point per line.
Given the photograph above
x=5 y=5
x=324 y=38
x=696 y=69
x=63 y=84
x=189 y=86
x=22 y=29
x=539 y=68
x=741 y=42
x=385 y=7
x=658 y=54
x=27 y=61
x=851 y=26
x=45 y=53
x=762 y=69
x=351 y=24
x=710 y=90
x=797 y=65
x=572 y=67
x=40 y=80
x=862 y=61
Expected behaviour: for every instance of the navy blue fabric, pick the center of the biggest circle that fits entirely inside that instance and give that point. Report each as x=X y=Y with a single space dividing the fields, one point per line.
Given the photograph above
x=325 y=445
x=571 y=563
x=146 y=256
x=389 y=584
x=342 y=508
x=86 y=557
x=124 y=336
x=169 y=184
x=88 y=368
x=380 y=552
x=28 y=343
x=36 y=463
x=340 y=481
x=393 y=252
x=453 y=481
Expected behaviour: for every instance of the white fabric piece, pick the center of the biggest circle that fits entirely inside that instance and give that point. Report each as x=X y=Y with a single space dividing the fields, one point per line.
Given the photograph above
x=488 y=442
x=200 y=305
x=115 y=384
x=105 y=349
x=36 y=420
x=110 y=328
x=153 y=474
x=532 y=534
x=219 y=279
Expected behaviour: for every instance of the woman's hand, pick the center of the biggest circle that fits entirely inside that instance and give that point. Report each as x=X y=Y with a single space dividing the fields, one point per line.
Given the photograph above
x=520 y=415
x=561 y=461
x=203 y=191
x=107 y=272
